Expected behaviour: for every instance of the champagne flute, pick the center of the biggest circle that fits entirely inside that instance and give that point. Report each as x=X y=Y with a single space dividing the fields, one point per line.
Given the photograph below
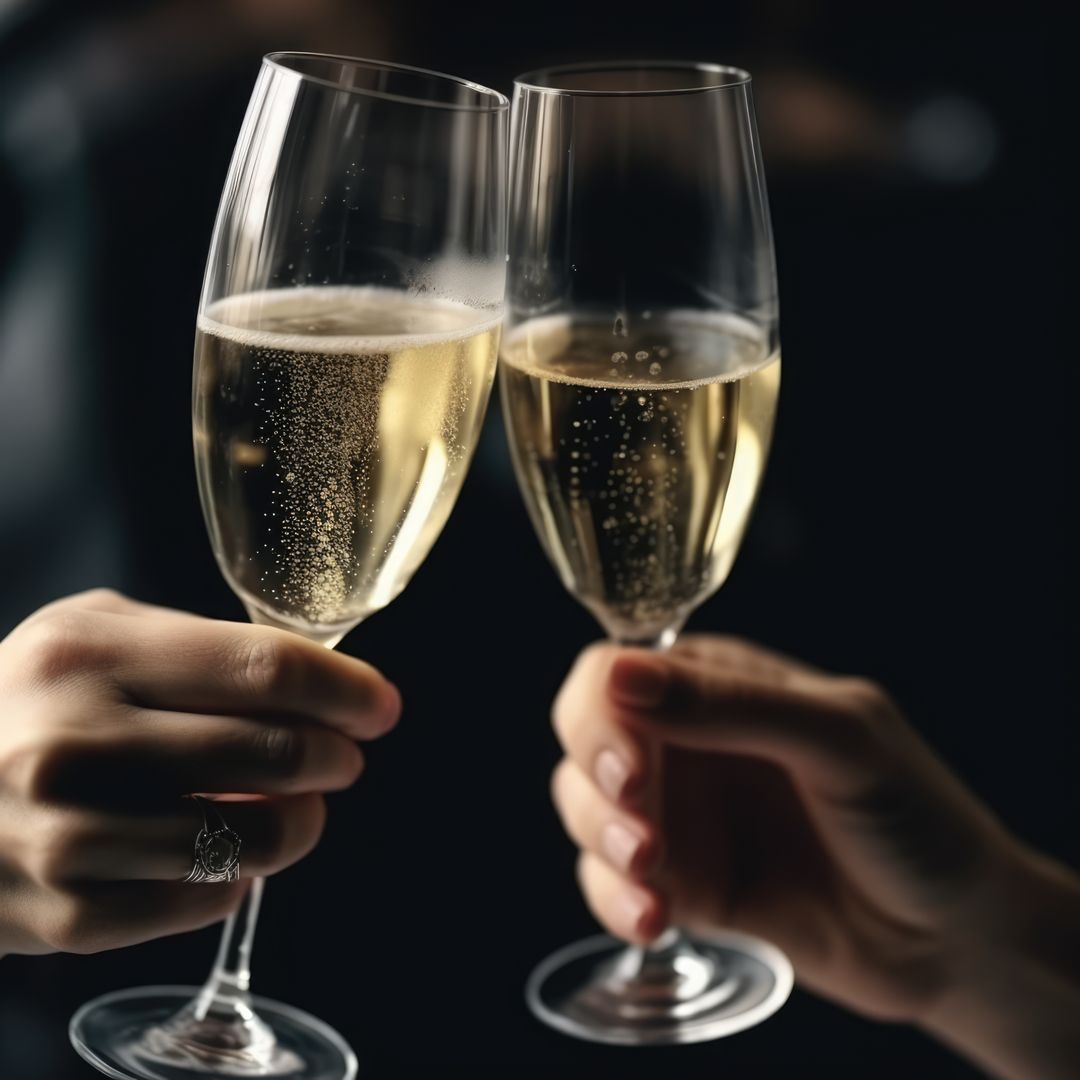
x=345 y=349
x=639 y=375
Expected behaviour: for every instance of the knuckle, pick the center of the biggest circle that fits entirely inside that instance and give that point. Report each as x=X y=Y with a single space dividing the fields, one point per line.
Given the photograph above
x=39 y=767
x=579 y=696
x=73 y=927
x=586 y=673
x=266 y=665
x=581 y=873
x=560 y=721
x=870 y=699
x=74 y=602
x=596 y=652
x=57 y=852
x=557 y=784
x=281 y=751
x=58 y=645
x=594 y=663
x=860 y=723
x=100 y=597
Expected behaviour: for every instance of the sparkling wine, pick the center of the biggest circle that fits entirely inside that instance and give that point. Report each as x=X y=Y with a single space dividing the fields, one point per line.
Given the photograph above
x=640 y=451
x=333 y=431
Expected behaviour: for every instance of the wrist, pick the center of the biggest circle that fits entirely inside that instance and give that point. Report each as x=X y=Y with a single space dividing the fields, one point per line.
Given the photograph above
x=1013 y=993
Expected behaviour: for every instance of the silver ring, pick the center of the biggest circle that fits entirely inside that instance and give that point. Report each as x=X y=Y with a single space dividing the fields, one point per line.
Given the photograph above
x=217 y=848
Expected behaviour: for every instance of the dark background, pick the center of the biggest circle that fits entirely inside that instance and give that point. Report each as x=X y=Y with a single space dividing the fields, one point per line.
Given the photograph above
x=911 y=526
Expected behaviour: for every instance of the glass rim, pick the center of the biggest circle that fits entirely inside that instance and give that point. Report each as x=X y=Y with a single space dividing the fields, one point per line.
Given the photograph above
x=529 y=80
x=279 y=59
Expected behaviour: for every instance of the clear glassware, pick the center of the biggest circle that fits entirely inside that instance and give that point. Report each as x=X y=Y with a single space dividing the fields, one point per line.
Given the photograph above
x=639 y=376
x=345 y=350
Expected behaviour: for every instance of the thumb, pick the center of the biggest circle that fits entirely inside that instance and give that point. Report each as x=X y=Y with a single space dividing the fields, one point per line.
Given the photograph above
x=830 y=733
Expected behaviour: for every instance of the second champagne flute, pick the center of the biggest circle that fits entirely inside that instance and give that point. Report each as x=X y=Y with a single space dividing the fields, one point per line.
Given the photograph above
x=640 y=372
x=344 y=355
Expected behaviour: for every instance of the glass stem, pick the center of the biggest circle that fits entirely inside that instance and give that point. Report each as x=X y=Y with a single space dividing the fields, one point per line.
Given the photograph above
x=672 y=939
x=230 y=977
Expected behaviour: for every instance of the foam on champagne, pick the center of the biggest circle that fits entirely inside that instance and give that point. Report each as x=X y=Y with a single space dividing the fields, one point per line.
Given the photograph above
x=336 y=319
x=534 y=347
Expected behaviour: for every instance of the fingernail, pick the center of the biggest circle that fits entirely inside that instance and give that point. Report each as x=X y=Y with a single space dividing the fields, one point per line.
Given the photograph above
x=632 y=910
x=639 y=683
x=612 y=773
x=620 y=845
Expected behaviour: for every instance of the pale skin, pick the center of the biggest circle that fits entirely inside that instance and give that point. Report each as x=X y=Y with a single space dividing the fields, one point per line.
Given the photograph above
x=113 y=713
x=801 y=807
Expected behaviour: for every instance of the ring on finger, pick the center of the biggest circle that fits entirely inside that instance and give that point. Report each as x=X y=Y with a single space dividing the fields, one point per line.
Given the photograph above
x=217 y=848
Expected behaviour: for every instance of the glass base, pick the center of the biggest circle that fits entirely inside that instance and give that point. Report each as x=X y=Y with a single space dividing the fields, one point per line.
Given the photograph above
x=681 y=990
x=152 y=1033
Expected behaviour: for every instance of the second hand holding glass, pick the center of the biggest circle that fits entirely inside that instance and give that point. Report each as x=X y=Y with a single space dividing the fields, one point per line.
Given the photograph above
x=345 y=350
x=639 y=374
